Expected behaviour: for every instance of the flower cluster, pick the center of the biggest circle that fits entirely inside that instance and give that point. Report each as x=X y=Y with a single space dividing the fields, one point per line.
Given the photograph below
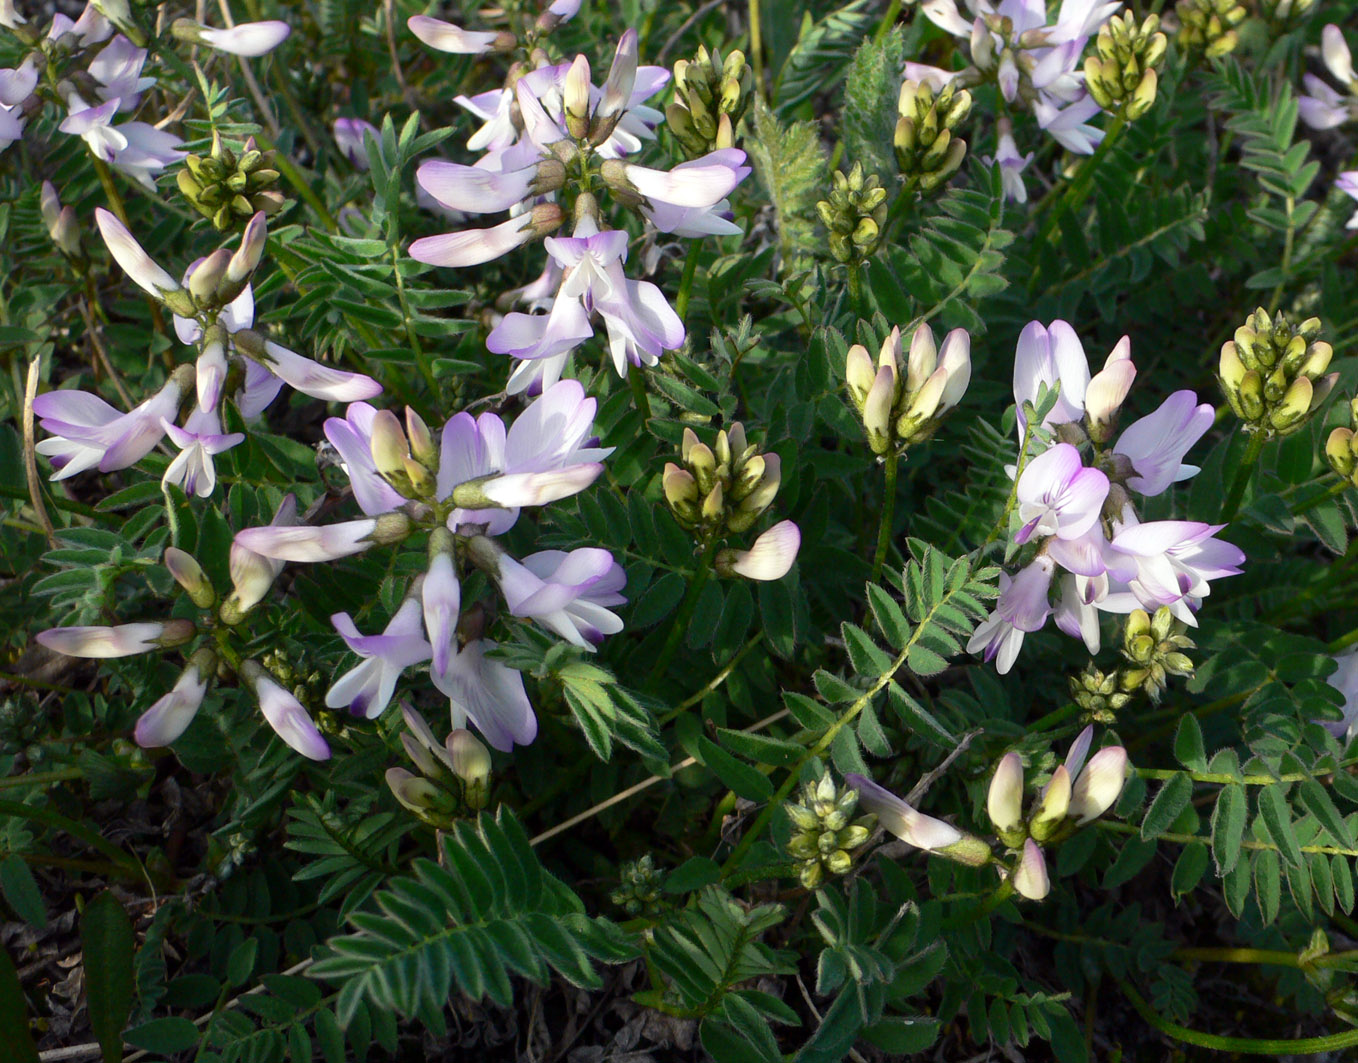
x=466 y=489
x=550 y=141
x=172 y=713
x=1093 y=552
x=95 y=75
x=825 y=830
x=1077 y=793
x=214 y=311
x=902 y=403
x=1033 y=63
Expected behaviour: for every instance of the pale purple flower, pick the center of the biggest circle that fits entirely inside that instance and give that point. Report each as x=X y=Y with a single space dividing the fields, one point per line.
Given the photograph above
x=640 y=322
x=1157 y=443
x=490 y=695
x=351 y=140
x=117 y=68
x=568 y=593
x=90 y=28
x=1076 y=612
x=88 y=433
x=1175 y=562
x=303 y=542
x=441 y=601
x=128 y=253
x=445 y=37
x=125 y=640
x=550 y=451
x=1069 y=125
x=470 y=448
x=352 y=437
x=472 y=247
x=702 y=183
x=901 y=819
x=288 y=718
x=248 y=39
x=366 y=689
x=198 y=441
x=1050 y=356
x=314 y=379
x=1023 y=607
x=11 y=126
x=172 y=713
x=137 y=149
x=1322 y=107
x=17 y=83
x=1058 y=496
x=1012 y=164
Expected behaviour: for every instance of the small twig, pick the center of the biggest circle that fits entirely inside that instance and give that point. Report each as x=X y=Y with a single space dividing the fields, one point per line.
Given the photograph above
x=684 y=28
x=31 y=456
x=931 y=777
x=623 y=795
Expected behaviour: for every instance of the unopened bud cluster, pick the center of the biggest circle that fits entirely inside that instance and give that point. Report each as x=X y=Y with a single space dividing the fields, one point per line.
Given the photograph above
x=1208 y=26
x=904 y=403
x=722 y=488
x=825 y=830
x=1341 y=449
x=638 y=893
x=1077 y=793
x=1122 y=76
x=710 y=96
x=1274 y=372
x=927 y=150
x=231 y=188
x=454 y=776
x=854 y=214
x=408 y=459
x=1099 y=694
x=1154 y=648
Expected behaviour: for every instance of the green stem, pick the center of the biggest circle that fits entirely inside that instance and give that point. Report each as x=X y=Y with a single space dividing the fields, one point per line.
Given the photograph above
x=1263 y=956
x=685 y=614
x=686 y=281
x=65 y=504
x=1268 y=1046
x=639 y=397
x=1288 y=240
x=1242 y=478
x=756 y=45
x=1334 y=490
x=1189 y=839
x=893 y=11
x=888 y=513
x=1002 y=524
x=713 y=683
x=1049 y=721
x=1222 y=778
x=115 y=199
x=40 y=778
x=1078 y=190
x=856 y=289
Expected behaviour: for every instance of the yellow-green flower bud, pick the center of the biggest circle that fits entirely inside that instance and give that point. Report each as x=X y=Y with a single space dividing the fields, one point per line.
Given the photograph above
x=1051 y=806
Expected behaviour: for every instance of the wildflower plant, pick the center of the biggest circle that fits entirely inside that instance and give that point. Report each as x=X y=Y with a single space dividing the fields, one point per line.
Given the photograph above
x=817 y=531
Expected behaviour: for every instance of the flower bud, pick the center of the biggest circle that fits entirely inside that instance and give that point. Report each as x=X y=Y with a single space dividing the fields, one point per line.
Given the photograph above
x=189 y=574
x=1030 y=876
x=1341 y=451
x=575 y=97
x=471 y=764
x=1052 y=806
x=389 y=447
x=1099 y=785
x=206 y=276
x=859 y=374
x=1004 y=800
